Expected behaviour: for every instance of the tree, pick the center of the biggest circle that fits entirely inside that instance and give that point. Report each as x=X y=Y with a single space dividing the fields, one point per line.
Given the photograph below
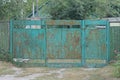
x=114 y=8
x=61 y=9
x=16 y=9
x=9 y=9
x=83 y=9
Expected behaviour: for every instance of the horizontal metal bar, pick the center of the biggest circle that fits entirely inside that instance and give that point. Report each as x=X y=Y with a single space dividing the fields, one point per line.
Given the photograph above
x=95 y=22
x=28 y=22
x=63 y=22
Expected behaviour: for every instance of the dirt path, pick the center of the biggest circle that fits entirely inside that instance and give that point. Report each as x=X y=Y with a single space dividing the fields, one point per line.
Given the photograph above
x=19 y=72
x=9 y=72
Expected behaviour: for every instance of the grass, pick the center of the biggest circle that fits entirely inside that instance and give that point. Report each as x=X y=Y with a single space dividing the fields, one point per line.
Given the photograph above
x=30 y=71
x=48 y=77
x=117 y=66
x=5 y=68
x=116 y=71
x=82 y=74
x=96 y=77
x=6 y=71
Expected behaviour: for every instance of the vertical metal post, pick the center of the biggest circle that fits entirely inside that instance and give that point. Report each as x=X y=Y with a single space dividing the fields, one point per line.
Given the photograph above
x=80 y=27
x=83 y=42
x=44 y=23
x=37 y=8
x=33 y=10
x=108 y=39
x=22 y=9
x=11 y=37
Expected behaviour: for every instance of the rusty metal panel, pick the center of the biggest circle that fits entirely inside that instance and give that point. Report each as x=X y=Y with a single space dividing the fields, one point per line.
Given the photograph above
x=64 y=47
x=62 y=42
x=29 y=44
x=54 y=44
x=63 y=22
x=95 y=44
x=72 y=43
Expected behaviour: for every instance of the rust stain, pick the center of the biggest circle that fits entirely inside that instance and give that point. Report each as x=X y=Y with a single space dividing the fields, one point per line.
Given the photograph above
x=62 y=22
x=50 y=22
x=103 y=47
x=72 y=40
x=50 y=56
x=40 y=36
x=77 y=40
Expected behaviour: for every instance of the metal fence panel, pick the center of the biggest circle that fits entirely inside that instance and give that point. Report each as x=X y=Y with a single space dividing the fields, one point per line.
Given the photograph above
x=28 y=42
x=64 y=45
x=114 y=41
x=96 y=43
x=4 y=36
x=61 y=43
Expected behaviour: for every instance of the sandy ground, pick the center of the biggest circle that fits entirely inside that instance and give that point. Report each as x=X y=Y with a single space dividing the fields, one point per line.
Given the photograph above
x=10 y=72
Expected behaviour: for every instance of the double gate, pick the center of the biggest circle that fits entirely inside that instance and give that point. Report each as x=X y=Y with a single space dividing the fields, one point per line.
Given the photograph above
x=60 y=43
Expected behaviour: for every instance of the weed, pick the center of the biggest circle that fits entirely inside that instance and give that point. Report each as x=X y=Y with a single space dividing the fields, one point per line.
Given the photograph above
x=117 y=65
x=5 y=56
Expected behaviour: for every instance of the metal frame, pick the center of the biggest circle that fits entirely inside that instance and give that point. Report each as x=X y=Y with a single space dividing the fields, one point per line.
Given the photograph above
x=45 y=23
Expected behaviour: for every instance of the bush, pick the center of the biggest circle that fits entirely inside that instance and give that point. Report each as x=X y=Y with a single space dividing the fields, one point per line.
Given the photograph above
x=5 y=56
x=117 y=72
x=117 y=66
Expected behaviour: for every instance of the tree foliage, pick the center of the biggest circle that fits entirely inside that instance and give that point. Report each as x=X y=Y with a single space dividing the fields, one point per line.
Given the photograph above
x=16 y=9
x=61 y=9
x=84 y=9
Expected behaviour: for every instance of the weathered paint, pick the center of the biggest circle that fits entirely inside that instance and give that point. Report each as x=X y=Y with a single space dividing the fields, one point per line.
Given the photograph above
x=96 y=43
x=61 y=45
x=108 y=40
x=72 y=43
x=54 y=44
x=29 y=44
x=62 y=22
x=83 y=42
x=114 y=41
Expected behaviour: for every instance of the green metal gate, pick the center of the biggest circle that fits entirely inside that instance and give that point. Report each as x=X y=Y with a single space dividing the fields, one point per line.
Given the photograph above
x=63 y=43
x=60 y=43
x=96 y=43
x=114 y=39
x=28 y=42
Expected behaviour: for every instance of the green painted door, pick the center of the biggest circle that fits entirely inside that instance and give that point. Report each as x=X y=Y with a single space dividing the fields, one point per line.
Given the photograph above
x=63 y=47
x=95 y=43
x=29 y=42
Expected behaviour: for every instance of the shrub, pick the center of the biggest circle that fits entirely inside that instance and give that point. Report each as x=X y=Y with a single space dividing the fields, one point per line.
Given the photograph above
x=117 y=72
x=117 y=66
x=5 y=56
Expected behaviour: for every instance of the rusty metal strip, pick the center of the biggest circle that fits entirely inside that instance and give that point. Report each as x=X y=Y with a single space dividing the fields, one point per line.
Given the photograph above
x=62 y=22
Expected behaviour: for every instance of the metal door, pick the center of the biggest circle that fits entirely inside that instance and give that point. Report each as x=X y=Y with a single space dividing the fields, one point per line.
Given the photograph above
x=96 y=43
x=63 y=43
x=28 y=42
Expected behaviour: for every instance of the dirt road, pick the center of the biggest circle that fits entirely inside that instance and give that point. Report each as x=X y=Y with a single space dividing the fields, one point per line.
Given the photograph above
x=10 y=72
